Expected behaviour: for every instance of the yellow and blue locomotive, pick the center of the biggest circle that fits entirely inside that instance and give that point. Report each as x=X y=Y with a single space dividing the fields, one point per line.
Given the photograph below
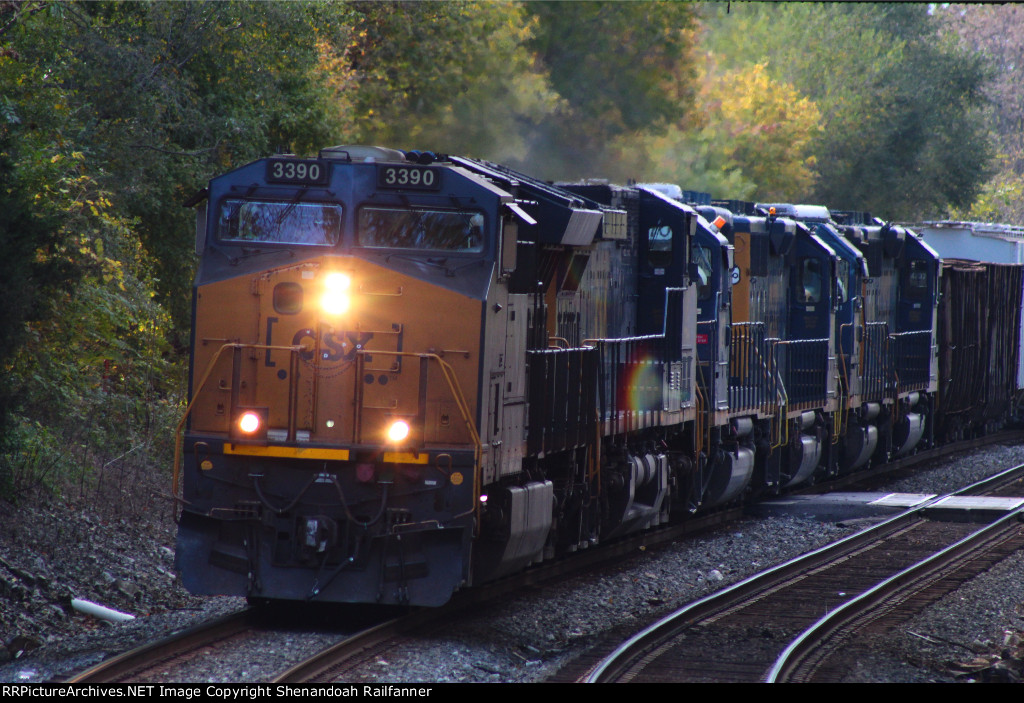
x=405 y=369
x=349 y=311
x=412 y=373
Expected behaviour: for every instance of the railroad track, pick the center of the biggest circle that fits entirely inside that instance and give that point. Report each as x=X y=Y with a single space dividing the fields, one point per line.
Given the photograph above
x=780 y=624
x=811 y=656
x=186 y=655
x=146 y=663
x=148 y=660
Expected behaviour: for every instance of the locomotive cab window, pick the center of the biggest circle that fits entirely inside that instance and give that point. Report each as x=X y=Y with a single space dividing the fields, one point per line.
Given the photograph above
x=917 y=280
x=809 y=283
x=252 y=221
x=845 y=285
x=705 y=271
x=434 y=230
x=659 y=246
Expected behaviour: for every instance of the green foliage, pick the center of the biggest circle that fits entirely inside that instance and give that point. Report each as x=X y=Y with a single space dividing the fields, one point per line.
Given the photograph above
x=997 y=33
x=622 y=70
x=1001 y=200
x=904 y=124
x=469 y=89
x=621 y=67
x=168 y=94
x=89 y=369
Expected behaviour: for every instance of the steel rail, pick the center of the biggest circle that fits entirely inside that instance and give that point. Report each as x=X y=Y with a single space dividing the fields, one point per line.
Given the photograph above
x=808 y=645
x=119 y=668
x=993 y=482
x=622 y=658
x=318 y=667
x=618 y=662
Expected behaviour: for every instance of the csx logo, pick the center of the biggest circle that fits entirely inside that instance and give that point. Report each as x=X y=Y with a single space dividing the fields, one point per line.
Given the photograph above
x=333 y=346
x=329 y=345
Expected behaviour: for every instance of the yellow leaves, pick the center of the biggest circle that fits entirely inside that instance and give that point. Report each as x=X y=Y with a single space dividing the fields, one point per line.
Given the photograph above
x=750 y=137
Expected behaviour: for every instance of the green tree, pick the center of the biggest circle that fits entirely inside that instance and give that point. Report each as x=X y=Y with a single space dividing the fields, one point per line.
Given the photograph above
x=471 y=89
x=111 y=114
x=997 y=32
x=623 y=70
x=750 y=139
x=904 y=119
x=171 y=93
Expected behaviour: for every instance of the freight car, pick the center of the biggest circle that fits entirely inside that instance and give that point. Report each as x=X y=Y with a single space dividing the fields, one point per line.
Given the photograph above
x=412 y=373
x=978 y=317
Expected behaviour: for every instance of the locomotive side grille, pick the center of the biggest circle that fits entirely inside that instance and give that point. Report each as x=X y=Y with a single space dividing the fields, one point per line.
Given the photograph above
x=874 y=373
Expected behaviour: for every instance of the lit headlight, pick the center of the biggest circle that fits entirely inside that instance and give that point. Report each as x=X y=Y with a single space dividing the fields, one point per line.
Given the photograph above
x=398 y=430
x=335 y=300
x=337 y=281
x=249 y=422
x=334 y=303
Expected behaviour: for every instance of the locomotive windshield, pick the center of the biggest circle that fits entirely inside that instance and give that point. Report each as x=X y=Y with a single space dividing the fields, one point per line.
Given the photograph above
x=279 y=222
x=917 y=281
x=705 y=270
x=659 y=245
x=810 y=281
x=444 y=230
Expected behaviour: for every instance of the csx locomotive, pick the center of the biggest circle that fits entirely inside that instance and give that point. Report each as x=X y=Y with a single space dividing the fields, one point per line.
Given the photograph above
x=412 y=373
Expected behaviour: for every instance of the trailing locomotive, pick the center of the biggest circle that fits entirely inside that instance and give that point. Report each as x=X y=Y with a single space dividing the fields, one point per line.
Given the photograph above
x=414 y=373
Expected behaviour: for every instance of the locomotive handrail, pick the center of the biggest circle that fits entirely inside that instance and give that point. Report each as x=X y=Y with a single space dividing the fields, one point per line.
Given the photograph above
x=843 y=412
x=593 y=342
x=175 y=474
x=699 y=422
x=875 y=373
x=449 y=377
x=802 y=399
x=781 y=397
x=701 y=381
x=915 y=368
x=625 y=351
x=745 y=342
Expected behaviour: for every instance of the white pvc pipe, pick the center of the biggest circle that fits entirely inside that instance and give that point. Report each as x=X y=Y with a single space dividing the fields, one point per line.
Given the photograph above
x=99 y=611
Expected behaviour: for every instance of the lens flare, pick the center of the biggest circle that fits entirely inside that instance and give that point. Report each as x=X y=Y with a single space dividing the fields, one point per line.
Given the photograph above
x=337 y=281
x=335 y=302
x=639 y=384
